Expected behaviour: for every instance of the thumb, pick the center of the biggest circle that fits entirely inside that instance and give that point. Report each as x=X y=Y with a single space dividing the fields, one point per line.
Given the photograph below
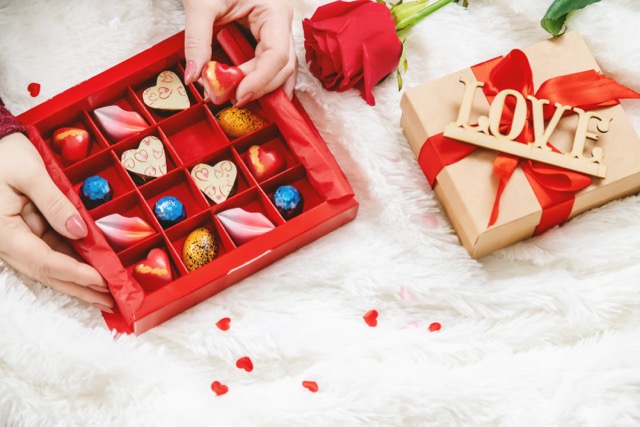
x=54 y=206
x=198 y=36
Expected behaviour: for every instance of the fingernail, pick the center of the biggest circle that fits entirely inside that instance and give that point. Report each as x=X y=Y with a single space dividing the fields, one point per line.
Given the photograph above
x=189 y=72
x=99 y=288
x=244 y=100
x=76 y=227
x=102 y=308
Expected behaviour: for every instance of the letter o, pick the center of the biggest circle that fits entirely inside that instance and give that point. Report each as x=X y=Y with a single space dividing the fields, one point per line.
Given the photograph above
x=519 y=114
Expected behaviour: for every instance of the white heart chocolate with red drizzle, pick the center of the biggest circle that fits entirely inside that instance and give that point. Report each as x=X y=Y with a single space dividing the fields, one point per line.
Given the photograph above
x=168 y=94
x=216 y=182
x=148 y=160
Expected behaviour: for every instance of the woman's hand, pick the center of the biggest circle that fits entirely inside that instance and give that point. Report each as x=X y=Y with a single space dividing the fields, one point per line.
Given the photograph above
x=33 y=215
x=275 y=63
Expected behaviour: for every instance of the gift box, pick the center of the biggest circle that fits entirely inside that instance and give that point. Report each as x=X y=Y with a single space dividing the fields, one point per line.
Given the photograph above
x=504 y=175
x=190 y=137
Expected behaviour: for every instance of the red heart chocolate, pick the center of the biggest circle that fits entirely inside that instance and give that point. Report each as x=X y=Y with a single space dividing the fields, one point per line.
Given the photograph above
x=72 y=144
x=220 y=80
x=153 y=272
x=264 y=163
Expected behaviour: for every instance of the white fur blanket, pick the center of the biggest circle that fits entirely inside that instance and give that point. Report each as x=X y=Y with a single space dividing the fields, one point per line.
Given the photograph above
x=546 y=332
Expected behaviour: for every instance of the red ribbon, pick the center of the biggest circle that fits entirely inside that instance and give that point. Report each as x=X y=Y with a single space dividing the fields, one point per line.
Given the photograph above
x=554 y=187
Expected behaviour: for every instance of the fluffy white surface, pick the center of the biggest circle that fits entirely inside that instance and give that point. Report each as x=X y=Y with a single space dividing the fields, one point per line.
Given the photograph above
x=546 y=332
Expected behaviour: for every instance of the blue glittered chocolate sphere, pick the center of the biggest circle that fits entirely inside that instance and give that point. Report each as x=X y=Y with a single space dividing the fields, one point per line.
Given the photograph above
x=95 y=191
x=288 y=201
x=169 y=211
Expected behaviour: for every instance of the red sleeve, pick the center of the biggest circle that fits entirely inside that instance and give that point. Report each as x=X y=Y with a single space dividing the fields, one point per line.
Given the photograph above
x=8 y=123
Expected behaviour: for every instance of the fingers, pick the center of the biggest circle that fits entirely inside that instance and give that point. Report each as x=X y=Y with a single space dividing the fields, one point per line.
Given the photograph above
x=54 y=206
x=199 y=20
x=31 y=255
x=290 y=83
x=275 y=60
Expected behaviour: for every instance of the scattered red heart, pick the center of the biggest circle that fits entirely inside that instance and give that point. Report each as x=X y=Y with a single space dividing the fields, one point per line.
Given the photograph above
x=34 y=89
x=223 y=323
x=371 y=318
x=219 y=388
x=245 y=363
x=435 y=327
x=312 y=386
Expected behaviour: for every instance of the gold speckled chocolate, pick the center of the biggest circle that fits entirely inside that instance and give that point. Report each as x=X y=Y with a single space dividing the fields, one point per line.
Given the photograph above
x=199 y=249
x=237 y=122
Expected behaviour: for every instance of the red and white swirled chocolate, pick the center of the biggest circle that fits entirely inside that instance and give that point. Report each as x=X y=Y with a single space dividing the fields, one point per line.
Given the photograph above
x=122 y=231
x=244 y=226
x=220 y=80
x=119 y=123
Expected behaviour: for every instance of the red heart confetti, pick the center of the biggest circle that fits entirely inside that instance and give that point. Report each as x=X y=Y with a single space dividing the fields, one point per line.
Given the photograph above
x=435 y=327
x=371 y=318
x=223 y=323
x=34 y=89
x=219 y=388
x=312 y=386
x=245 y=363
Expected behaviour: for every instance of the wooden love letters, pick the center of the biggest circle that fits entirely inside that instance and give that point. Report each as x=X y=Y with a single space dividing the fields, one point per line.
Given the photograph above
x=487 y=131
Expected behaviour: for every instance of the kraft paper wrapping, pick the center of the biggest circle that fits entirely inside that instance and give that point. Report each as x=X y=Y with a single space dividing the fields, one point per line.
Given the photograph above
x=467 y=188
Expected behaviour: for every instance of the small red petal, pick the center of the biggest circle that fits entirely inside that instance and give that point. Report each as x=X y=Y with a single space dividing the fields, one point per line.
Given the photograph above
x=245 y=363
x=435 y=326
x=34 y=89
x=312 y=386
x=371 y=318
x=223 y=323
x=219 y=388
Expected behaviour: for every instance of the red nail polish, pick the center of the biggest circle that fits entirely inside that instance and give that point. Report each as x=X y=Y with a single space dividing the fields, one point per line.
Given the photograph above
x=76 y=227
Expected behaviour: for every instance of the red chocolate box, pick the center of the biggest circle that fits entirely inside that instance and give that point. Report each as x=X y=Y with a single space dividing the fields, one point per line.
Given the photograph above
x=190 y=137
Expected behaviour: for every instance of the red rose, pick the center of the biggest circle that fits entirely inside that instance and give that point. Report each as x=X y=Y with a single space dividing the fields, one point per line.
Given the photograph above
x=352 y=44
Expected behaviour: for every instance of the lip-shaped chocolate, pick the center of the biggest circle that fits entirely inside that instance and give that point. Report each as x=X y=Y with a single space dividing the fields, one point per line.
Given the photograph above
x=122 y=231
x=244 y=226
x=119 y=123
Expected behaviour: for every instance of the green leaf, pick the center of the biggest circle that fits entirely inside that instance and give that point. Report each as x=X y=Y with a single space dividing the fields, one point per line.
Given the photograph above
x=555 y=19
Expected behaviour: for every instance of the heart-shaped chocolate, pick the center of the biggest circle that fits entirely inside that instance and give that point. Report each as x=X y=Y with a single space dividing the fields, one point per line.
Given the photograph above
x=169 y=94
x=72 y=144
x=153 y=272
x=220 y=80
x=217 y=182
x=148 y=160
x=264 y=163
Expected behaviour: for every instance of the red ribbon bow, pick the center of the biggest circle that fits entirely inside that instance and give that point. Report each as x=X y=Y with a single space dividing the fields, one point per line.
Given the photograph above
x=554 y=187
